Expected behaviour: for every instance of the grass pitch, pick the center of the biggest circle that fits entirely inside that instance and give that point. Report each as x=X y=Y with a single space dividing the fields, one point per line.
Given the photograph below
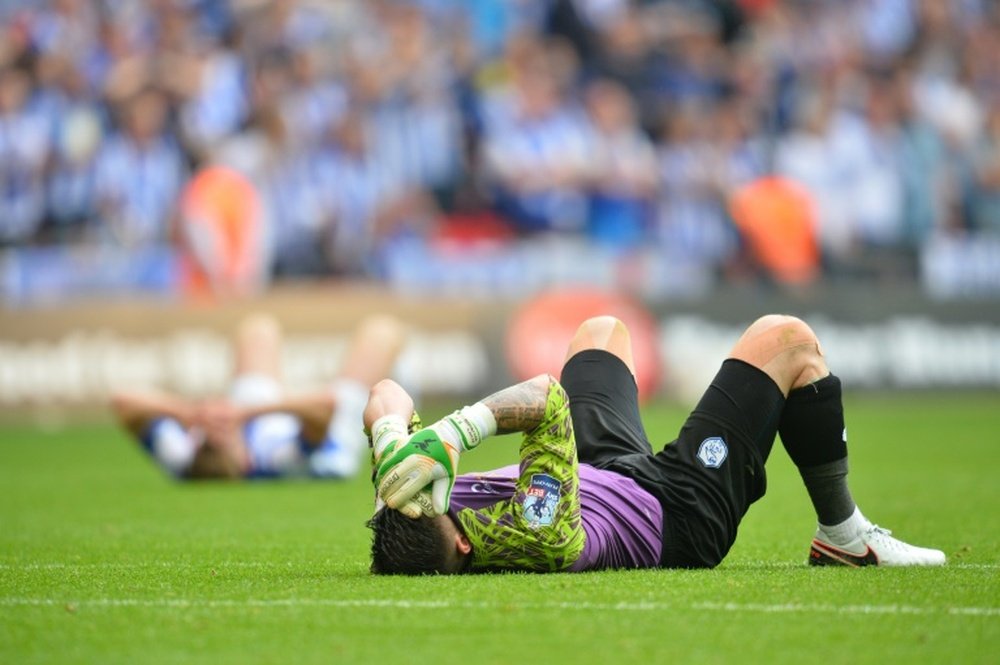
x=104 y=560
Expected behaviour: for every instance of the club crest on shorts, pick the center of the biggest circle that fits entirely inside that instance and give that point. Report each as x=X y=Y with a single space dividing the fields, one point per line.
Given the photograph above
x=540 y=500
x=713 y=452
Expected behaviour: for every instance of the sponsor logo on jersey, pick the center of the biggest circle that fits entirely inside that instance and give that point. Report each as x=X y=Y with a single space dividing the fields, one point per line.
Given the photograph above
x=540 y=500
x=713 y=452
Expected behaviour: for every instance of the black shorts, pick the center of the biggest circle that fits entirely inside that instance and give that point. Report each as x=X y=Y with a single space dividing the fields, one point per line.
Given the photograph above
x=705 y=479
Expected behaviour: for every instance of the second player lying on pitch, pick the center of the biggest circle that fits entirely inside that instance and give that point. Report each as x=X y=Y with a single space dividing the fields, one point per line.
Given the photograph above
x=259 y=430
x=589 y=492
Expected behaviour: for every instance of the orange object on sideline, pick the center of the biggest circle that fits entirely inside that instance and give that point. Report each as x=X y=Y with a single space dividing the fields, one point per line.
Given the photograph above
x=542 y=328
x=222 y=234
x=777 y=218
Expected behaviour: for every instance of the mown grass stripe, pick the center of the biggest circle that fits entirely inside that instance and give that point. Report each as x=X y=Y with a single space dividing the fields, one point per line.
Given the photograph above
x=624 y=606
x=108 y=565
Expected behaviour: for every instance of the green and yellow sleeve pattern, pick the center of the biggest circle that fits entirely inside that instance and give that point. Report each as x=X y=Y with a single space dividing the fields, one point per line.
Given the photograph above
x=539 y=528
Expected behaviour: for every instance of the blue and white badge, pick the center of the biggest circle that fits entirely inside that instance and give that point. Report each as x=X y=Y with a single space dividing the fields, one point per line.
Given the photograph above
x=540 y=500
x=713 y=452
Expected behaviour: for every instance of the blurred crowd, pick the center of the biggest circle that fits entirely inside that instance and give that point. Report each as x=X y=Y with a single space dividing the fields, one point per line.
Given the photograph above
x=328 y=131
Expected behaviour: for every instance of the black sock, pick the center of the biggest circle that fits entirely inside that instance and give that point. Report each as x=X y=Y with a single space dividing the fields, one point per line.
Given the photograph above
x=812 y=431
x=827 y=487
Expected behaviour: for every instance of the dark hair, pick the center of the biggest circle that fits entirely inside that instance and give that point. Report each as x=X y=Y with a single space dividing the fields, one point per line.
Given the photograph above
x=405 y=546
x=214 y=462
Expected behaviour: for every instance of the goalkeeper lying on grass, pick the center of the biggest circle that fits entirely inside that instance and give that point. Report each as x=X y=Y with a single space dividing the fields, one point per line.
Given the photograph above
x=619 y=505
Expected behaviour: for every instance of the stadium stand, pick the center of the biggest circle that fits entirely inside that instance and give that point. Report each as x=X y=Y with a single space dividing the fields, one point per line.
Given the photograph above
x=366 y=127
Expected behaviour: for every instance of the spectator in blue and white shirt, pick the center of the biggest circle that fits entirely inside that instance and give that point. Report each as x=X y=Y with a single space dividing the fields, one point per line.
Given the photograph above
x=535 y=150
x=24 y=149
x=622 y=171
x=140 y=173
x=78 y=129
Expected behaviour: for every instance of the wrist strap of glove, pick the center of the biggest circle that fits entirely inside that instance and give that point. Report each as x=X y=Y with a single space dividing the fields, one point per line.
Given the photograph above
x=468 y=427
x=385 y=430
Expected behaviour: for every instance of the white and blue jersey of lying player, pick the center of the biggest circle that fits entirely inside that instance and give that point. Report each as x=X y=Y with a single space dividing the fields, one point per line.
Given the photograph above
x=275 y=444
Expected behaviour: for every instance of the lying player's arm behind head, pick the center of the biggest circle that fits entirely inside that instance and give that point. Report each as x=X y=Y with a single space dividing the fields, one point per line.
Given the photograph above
x=162 y=425
x=136 y=410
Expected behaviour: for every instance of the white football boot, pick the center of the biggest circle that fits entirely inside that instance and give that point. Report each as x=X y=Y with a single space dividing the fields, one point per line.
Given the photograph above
x=873 y=546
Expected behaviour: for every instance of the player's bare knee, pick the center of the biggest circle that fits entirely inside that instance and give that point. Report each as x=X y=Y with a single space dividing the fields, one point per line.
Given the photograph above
x=384 y=328
x=259 y=330
x=771 y=323
x=774 y=333
x=785 y=347
x=605 y=333
x=600 y=325
x=792 y=331
x=799 y=344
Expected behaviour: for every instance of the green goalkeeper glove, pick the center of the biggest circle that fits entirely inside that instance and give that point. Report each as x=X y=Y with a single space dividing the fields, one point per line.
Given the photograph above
x=387 y=436
x=429 y=460
x=405 y=470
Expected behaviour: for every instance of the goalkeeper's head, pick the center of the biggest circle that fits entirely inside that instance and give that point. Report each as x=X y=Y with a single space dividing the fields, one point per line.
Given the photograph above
x=423 y=546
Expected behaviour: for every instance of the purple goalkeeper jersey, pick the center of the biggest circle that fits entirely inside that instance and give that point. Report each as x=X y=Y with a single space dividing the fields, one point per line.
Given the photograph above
x=623 y=523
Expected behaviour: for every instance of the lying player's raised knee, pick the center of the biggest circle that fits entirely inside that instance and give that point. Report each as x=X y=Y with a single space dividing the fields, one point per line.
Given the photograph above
x=259 y=329
x=780 y=331
x=383 y=327
x=785 y=347
x=772 y=322
x=597 y=324
x=606 y=333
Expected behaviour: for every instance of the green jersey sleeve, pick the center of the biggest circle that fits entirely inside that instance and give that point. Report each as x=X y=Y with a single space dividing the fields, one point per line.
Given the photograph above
x=539 y=528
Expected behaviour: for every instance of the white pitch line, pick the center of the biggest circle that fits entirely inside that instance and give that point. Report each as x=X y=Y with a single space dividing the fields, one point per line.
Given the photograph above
x=640 y=606
x=789 y=565
x=107 y=565
x=845 y=609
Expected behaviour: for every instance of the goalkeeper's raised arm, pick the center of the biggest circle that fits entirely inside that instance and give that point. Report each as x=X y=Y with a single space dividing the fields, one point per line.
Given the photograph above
x=429 y=458
x=532 y=523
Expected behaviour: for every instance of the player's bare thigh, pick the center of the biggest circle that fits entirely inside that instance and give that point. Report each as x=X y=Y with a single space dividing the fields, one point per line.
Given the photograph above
x=785 y=348
x=258 y=343
x=373 y=349
x=606 y=333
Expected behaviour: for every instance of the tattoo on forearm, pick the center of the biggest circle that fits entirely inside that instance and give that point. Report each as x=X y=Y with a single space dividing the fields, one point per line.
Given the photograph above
x=519 y=408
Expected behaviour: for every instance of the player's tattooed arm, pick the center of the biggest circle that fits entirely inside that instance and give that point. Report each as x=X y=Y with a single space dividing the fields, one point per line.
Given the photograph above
x=520 y=408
